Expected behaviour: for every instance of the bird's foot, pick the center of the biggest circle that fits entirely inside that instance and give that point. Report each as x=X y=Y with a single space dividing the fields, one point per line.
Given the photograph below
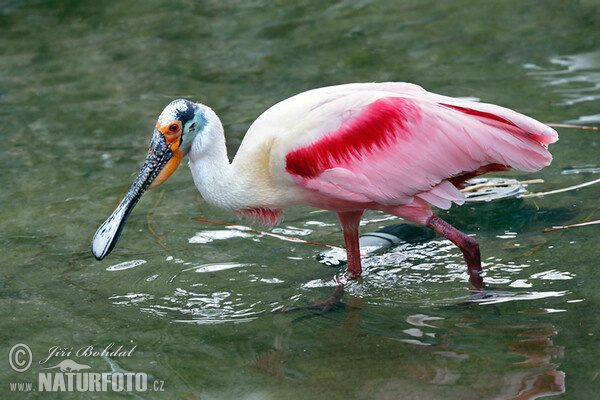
x=486 y=292
x=481 y=293
x=332 y=303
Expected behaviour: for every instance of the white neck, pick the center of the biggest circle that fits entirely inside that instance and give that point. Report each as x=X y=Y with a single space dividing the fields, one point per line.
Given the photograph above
x=226 y=185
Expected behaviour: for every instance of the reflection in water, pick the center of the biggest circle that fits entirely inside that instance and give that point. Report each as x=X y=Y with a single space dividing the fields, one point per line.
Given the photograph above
x=210 y=236
x=448 y=355
x=390 y=278
x=442 y=356
x=441 y=360
x=125 y=265
x=191 y=301
x=80 y=85
x=272 y=361
x=408 y=268
x=500 y=296
x=575 y=77
x=581 y=170
x=542 y=377
x=216 y=267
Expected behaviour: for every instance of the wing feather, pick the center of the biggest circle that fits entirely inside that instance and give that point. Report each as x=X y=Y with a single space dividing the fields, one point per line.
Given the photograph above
x=391 y=142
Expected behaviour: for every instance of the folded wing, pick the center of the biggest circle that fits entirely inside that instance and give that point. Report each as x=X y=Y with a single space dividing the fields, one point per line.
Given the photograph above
x=389 y=143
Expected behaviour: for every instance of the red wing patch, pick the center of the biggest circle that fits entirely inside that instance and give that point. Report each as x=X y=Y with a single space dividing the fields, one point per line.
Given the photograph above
x=382 y=123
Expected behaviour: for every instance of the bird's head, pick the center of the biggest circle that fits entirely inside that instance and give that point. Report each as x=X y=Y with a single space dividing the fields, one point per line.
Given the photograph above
x=174 y=133
x=177 y=126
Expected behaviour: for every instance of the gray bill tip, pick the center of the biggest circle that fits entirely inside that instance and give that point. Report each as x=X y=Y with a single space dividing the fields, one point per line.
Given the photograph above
x=107 y=235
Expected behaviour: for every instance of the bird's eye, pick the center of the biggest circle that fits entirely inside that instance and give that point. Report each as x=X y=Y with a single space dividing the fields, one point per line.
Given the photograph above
x=174 y=128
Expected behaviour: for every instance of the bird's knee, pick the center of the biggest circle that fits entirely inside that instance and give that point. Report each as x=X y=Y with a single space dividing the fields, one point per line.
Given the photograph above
x=470 y=249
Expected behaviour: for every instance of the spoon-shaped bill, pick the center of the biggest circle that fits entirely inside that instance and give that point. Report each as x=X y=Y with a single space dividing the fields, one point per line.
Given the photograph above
x=158 y=157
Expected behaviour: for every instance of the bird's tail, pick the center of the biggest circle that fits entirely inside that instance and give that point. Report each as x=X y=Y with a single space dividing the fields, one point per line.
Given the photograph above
x=519 y=141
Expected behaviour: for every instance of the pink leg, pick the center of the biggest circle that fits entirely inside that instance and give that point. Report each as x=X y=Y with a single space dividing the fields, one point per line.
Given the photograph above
x=350 y=221
x=467 y=244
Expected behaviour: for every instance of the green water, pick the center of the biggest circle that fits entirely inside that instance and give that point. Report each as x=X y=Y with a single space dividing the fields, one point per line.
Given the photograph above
x=81 y=86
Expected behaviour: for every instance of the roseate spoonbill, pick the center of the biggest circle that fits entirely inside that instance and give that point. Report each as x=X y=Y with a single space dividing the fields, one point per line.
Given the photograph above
x=393 y=147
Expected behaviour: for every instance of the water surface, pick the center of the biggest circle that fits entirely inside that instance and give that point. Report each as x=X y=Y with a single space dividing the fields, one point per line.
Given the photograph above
x=81 y=86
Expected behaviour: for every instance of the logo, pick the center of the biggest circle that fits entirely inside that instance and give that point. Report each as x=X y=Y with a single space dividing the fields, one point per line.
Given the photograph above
x=69 y=366
x=20 y=357
x=68 y=375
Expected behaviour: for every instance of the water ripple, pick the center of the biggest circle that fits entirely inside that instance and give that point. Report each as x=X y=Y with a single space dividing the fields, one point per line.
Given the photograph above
x=497 y=297
x=210 y=236
x=125 y=265
x=576 y=77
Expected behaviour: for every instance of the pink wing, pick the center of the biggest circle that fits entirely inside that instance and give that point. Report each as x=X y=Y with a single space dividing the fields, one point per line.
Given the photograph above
x=391 y=143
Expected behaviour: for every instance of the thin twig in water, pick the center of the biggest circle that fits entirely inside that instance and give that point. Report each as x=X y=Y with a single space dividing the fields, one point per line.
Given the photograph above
x=287 y=238
x=583 y=223
x=500 y=184
x=558 y=228
x=540 y=194
x=592 y=128
x=586 y=219
x=149 y=221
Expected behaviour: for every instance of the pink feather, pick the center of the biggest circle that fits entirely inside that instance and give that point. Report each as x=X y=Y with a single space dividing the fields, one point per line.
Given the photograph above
x=405 y=143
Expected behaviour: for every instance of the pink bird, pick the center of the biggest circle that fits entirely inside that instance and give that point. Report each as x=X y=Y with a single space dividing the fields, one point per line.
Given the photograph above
x=392 y=147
